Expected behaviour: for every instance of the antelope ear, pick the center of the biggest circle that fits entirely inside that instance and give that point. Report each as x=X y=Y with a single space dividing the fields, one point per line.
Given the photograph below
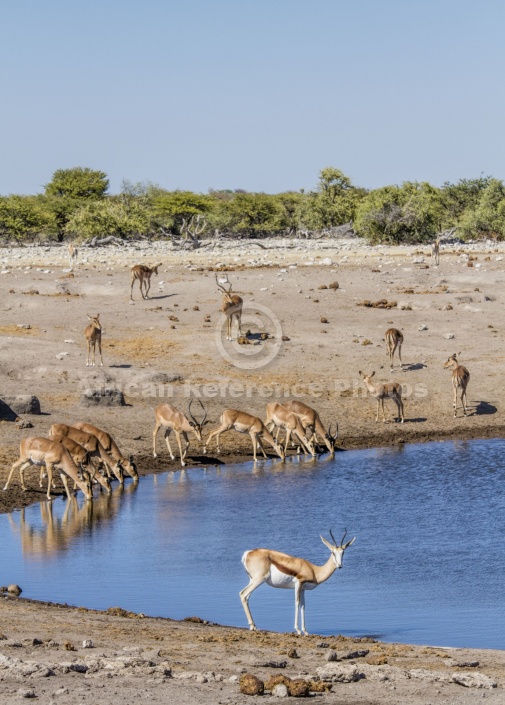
x=326 y=543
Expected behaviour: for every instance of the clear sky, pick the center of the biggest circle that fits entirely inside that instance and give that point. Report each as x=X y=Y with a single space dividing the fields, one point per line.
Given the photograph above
x=251 y=94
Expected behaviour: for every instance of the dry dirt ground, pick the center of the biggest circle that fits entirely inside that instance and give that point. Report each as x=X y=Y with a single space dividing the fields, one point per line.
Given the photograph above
x=178 y=333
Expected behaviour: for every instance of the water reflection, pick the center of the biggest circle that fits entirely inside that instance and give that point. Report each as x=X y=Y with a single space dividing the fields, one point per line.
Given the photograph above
x=428 y=564
x=52 y=532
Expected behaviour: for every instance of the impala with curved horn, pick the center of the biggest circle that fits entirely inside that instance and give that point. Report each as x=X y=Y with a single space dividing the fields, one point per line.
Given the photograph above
x=280 y=570
x=231 y=306
x=279 y=416
x=171 y=419
x=310 y=420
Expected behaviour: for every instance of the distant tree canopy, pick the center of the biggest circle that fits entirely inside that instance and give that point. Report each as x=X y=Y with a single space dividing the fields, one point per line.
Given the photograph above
x=76 y=204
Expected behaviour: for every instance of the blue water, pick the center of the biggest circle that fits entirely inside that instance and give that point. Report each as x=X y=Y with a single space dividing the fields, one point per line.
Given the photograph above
x=427 y=566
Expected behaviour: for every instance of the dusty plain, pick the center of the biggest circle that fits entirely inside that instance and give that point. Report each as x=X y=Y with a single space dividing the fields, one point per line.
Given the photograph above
x=170 y=347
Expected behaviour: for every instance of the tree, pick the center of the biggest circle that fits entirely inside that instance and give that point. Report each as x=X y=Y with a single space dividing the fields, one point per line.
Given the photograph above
x=109 y=217
x=412 y=212
x=79 y=182
x=172 y=208
x=462 y=196
x=67 y=191
x=334 y=202
x=250 y=215
x=488 y=218
x=25 y=217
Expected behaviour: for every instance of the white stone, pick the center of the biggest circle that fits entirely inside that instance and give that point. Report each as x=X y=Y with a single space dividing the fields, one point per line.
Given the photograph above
x=280 y=691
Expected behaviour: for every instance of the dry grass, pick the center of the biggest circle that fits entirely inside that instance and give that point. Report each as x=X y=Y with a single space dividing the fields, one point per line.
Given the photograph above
x=146 y=348
x=14 y=330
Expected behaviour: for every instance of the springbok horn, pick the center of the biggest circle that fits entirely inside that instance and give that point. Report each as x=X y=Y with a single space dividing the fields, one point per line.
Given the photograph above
x=343 y=537
x=333 y=538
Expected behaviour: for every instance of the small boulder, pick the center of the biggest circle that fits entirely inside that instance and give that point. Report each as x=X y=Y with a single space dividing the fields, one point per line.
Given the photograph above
x=299 y=688
x=333 y=285
x=106 y=396
x=276 y=680
x=14 y=590
x=21 y=404
x=331 y=655
x=251 y=685
x=280 y=691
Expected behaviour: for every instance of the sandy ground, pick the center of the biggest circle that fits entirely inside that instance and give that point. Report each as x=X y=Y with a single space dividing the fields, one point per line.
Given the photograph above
x=179 y=332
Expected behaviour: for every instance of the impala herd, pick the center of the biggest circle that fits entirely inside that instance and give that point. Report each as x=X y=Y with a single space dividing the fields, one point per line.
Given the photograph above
x=88 y=455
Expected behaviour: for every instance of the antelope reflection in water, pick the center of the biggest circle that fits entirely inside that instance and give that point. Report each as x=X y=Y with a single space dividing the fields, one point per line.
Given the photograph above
x=54 y=534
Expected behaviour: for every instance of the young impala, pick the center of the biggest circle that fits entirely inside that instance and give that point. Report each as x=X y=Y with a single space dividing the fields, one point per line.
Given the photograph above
x=92 y=445
x=142 y=273
x=280 y=570
x=309 y=418
x=460 y=379
x=170 y=419
x=231 y=306
x=42 y=452
x=93 y=335
x=394 y=339
x=110 y=446
x=389 y=390
x=245 y=423
x=279 y=416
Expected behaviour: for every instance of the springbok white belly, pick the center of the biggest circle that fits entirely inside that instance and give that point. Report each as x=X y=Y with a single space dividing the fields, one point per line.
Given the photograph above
x=278 y=579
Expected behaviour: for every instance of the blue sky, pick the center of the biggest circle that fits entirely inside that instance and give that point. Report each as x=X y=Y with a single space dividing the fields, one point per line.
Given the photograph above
x=251 y=94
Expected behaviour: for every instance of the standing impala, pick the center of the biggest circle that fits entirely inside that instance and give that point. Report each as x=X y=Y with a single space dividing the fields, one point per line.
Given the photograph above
x=390 y=390
x=44 y=452
x=169 y=418
x=245 y=423
x=309 y=418
x=231 y=306
x=279 y=416
x=142 y=273
x=279 y=570
x=93 y=335
x=110 y=446
x=460 y=379
x=394 y=339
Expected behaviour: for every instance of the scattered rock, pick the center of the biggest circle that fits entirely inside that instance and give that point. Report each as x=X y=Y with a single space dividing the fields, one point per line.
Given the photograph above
x=271 y=664
x=324 y=320
x=22 y=404
x=467 y=664
x=250 y=685
x=448 y=336
x=322 y=286
x=106 y=396
x=26 y=693
x=68 y=646
x=285 y=338
x=423 y=326
x=292 y=653
x=276 y=680
x=333 y=285
x=339 y=673
x=331 y=655
x=382 y=303
x=474 y=680
x=280 y=691
x=14 y=590
x=24 y=326
x=354 y=654
x=299 y=688
x=22 y=423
